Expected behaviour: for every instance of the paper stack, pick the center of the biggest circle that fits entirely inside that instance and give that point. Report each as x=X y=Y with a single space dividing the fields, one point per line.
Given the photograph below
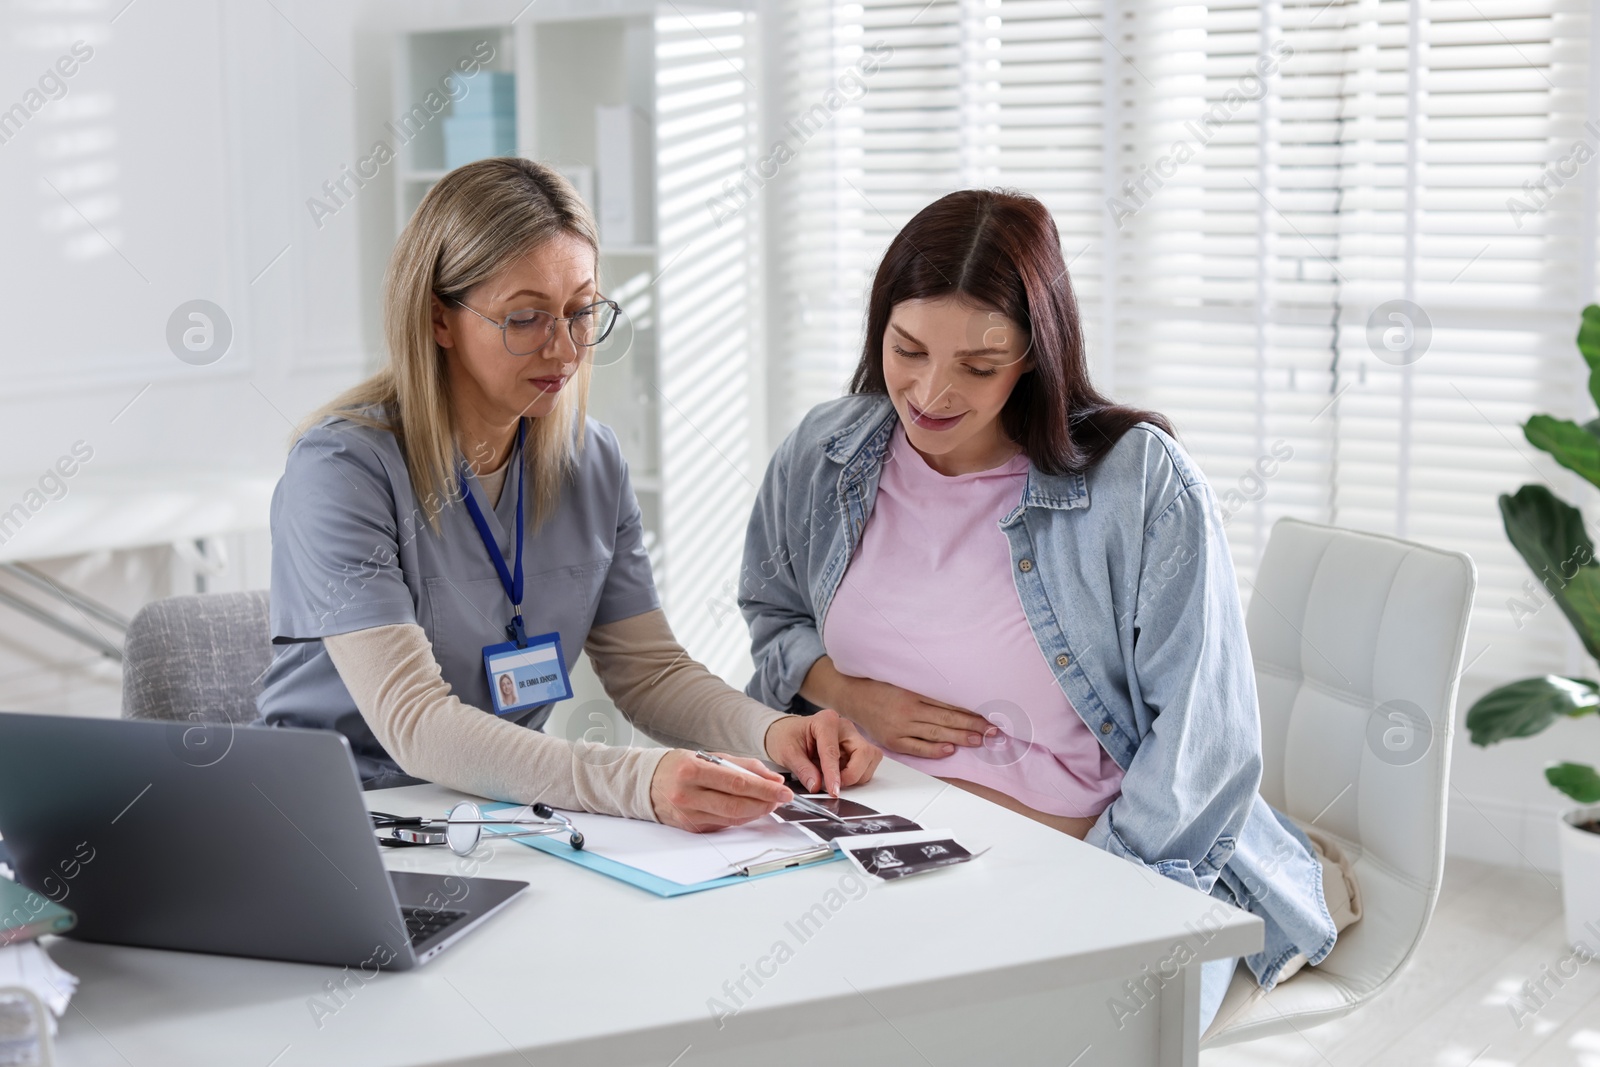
x=24 y=964
x=28 y=966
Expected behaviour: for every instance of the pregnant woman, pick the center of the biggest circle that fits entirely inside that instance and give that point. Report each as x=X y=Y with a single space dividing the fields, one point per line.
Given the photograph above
x=1018 y=586
x=450 y=533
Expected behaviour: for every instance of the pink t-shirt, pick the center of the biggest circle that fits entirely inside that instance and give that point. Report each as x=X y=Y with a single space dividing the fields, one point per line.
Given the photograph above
x=928 y=604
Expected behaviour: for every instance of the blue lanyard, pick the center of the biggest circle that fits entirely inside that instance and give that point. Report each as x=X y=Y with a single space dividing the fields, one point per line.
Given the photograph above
x=510 y=580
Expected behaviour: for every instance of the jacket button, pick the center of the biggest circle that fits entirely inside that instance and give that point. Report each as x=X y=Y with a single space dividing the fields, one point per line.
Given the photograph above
x=1105 y=727
x=1063 y=659
x=1025 y=566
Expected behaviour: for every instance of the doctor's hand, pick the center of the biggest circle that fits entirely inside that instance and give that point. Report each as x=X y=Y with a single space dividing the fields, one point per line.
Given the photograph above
x=696 y=795
x=823 y=750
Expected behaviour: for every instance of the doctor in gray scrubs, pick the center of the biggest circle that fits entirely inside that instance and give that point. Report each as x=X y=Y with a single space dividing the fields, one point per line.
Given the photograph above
x=450 y=533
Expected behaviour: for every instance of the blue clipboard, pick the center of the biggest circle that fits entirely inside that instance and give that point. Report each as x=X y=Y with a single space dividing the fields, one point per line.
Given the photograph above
x=557 y=846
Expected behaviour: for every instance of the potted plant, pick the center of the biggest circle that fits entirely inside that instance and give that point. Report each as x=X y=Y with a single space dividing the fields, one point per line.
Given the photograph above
x=1549 y=535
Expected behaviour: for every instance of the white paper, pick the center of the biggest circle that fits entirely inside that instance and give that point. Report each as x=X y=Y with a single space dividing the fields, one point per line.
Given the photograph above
x=678 y=855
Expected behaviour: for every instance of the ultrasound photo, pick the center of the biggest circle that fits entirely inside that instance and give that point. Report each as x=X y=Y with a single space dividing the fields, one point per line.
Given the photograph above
x=904 y=860
x=847 y=809
x=870 y=824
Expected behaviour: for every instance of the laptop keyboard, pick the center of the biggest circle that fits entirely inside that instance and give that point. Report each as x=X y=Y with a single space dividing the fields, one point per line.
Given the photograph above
x=423 y=923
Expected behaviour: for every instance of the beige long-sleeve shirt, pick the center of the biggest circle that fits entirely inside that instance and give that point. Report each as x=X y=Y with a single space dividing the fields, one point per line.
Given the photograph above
x=396 y=683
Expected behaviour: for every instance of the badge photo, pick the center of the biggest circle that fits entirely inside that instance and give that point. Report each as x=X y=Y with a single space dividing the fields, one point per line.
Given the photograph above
x=523 y=678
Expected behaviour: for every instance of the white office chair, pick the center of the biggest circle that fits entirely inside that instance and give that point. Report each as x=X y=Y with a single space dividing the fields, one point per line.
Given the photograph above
x=1342 y=623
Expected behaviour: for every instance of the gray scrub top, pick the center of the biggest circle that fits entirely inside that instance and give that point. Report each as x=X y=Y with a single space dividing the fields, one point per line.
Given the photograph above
x=352 y=549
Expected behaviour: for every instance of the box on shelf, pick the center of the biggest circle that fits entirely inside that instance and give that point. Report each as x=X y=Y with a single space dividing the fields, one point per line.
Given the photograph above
x=470 y=137
x=623 y=173
x=483 y=122
x=489 y=92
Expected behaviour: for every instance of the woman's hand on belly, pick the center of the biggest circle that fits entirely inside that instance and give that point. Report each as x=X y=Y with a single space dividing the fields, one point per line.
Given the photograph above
x=698 y=795
x=898 y=719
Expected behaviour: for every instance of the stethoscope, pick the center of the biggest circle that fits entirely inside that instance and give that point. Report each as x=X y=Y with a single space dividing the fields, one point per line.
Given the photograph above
x=462 y=829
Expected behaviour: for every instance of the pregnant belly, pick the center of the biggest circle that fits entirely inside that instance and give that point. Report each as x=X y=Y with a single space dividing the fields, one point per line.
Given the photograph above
x=1034 y=780
x=1078 y=828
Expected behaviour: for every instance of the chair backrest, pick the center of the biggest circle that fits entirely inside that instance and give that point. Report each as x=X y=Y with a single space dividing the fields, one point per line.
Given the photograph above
x=197 y=658
x=1358 y=641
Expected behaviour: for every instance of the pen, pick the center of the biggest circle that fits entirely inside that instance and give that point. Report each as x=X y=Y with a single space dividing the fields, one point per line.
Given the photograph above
x=800 y=802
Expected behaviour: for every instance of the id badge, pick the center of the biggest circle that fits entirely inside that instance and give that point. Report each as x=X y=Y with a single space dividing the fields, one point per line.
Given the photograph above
x=523 y=678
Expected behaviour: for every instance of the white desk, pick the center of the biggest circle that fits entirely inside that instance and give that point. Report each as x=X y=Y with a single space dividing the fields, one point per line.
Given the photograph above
x=1011 y=959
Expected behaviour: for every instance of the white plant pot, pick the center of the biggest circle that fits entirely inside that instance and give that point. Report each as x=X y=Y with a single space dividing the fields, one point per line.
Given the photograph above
x=1580 y=877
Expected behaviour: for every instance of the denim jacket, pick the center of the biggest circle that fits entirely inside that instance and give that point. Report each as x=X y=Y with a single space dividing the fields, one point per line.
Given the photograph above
x=1125 y=578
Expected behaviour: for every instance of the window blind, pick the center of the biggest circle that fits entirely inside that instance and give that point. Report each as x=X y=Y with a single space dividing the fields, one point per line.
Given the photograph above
x=1248 y=194
x=873 y=115
x=706 y=113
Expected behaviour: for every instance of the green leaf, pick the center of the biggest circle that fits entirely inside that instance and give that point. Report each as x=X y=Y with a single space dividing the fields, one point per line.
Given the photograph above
x=1589 y=345
x=1523 y=708
x=1577 y=780
x=1574 y=447
x=1549 y=534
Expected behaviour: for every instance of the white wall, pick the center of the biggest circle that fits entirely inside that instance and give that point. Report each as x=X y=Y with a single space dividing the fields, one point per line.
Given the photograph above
x=176 y=163
x=173 y=164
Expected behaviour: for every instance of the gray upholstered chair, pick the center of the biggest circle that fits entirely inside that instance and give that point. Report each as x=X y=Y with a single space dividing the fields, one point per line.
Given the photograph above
x=197 y=658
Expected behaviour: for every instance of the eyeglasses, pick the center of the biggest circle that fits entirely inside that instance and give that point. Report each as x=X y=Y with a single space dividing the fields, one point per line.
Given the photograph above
x=526 y=332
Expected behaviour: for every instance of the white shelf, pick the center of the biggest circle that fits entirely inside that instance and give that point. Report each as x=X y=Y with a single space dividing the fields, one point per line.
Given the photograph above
x=565 y=68
x=571 y=57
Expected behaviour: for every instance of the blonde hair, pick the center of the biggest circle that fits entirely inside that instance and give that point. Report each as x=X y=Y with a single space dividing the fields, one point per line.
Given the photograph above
x=475 y=221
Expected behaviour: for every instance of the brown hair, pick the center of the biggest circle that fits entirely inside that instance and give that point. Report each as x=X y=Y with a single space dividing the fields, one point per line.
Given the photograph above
x=1000 y=251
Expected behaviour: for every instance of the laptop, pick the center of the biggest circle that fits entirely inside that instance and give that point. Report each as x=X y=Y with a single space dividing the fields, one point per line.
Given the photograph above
x=203 y=837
